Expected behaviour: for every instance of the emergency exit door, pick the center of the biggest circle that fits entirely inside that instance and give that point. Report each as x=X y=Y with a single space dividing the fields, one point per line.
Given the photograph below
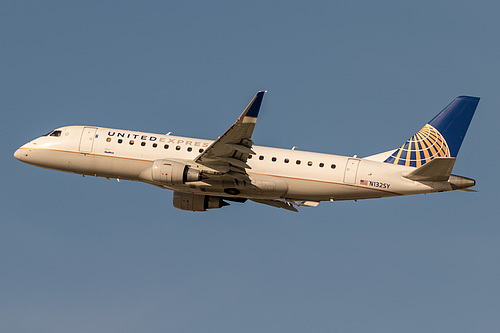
x=87 y=140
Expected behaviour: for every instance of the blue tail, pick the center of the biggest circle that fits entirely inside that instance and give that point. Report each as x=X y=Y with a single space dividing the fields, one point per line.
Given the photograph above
x=440 y=137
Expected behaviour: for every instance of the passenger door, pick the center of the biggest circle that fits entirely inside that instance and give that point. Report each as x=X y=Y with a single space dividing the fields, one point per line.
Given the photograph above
x=87 y=140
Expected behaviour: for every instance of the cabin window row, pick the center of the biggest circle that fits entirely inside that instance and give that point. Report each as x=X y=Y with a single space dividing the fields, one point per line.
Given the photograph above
x=298 y=162
x=155 y=145
x=261 y=157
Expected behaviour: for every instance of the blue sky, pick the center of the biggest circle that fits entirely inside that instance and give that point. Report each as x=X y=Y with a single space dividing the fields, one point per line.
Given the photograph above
x=348 y=77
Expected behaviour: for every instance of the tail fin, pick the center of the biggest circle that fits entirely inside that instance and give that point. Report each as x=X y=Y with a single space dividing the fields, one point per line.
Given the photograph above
x=440 y=137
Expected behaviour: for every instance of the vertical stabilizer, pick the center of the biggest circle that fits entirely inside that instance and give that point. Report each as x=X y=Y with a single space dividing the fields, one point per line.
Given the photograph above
x=441 y=137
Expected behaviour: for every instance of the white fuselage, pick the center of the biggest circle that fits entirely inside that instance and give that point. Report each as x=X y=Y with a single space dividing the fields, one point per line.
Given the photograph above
x=275 y=173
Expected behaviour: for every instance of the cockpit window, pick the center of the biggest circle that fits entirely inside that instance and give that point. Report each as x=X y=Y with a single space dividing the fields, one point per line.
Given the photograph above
x=55 y=133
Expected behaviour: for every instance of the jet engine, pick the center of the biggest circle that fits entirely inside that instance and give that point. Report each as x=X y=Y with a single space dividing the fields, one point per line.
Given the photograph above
x=173 y=173
x=196 y=202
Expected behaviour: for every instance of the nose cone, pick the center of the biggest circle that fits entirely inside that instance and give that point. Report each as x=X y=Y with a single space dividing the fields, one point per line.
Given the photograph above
x=18 y=154
x=22 y=154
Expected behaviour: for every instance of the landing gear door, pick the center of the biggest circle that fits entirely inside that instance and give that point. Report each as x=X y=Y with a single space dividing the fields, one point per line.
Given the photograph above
x=87 y=140
x=351 y=169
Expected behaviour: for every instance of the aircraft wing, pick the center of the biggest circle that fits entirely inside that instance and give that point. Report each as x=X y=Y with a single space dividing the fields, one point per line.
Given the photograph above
x=277 y=203
x=229 y=153
x=287 y=204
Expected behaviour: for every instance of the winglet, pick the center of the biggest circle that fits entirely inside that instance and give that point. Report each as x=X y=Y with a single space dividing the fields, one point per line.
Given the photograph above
x=252 y=110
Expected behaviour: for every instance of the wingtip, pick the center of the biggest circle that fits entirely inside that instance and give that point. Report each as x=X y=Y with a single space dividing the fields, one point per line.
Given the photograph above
x=253 y=108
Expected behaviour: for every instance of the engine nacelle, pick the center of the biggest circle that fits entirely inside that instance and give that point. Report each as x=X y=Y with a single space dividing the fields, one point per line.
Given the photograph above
x=173 y=173
x=196 y=202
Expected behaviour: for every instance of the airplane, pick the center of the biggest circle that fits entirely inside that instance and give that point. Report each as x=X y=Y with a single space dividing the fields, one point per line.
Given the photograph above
x=206 y=174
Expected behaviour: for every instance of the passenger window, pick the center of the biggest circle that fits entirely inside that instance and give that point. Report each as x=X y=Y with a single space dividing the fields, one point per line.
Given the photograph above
x=201 y=151
x=190 y=149
x=273 y=159
x=165 y=146
x=333 y=166
x=120 y=140
x=249 y=156
x=178 y=148
x=108 y=139
x=310 y=163
x=286 y=160
x=261 y=157
x=155 y=145
x=143 y=143
x=131 y=142
x=298 y=162
x=321 y=165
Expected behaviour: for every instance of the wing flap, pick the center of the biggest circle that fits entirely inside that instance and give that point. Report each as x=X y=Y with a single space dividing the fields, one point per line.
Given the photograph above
x=234 y=162
x=241 y=148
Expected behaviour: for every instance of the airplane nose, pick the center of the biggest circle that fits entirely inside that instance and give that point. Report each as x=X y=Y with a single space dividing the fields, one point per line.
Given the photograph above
x=19 y=154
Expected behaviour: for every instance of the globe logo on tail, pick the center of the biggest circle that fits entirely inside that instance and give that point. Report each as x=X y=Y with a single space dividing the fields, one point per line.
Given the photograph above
x=421 y=148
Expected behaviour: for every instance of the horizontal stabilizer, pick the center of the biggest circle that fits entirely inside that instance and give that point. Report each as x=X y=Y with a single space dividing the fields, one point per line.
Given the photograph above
x=437 y=170
x=467 y=190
